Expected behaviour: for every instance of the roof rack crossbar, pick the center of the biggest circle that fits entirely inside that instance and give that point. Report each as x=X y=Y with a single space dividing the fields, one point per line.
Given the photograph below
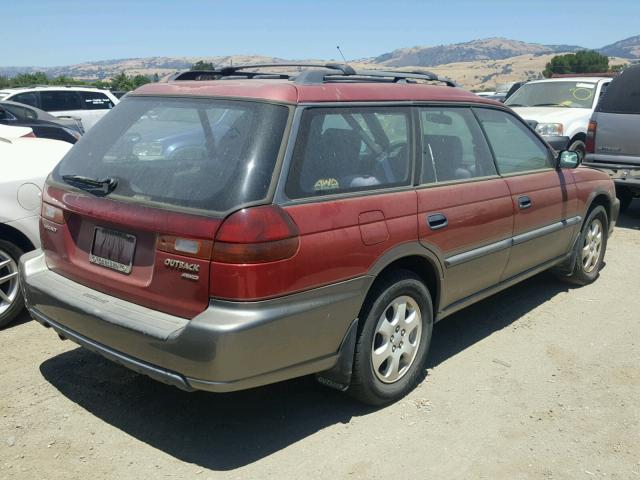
x=313 y=73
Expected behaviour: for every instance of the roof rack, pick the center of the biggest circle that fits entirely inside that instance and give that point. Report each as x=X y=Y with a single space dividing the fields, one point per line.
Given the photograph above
x=313 y=73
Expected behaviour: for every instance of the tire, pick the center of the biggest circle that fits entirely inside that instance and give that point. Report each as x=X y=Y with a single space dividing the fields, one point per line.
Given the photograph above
x=625 y=196
x=382 y=320
x=580 y=148
x=590 y=248
x=11 y=300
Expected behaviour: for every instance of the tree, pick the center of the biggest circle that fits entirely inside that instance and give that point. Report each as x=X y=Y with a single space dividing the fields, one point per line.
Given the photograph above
x=202 y=65
x=586 y=61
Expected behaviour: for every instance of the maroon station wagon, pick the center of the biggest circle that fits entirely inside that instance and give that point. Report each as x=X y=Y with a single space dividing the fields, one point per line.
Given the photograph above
x=239 y=227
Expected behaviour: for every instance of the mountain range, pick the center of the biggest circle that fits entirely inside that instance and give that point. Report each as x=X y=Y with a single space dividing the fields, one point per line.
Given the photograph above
x=473 y=64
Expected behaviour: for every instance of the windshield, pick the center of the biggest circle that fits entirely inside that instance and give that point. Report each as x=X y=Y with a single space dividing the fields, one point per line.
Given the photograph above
x=211 y=154
x=554 y=94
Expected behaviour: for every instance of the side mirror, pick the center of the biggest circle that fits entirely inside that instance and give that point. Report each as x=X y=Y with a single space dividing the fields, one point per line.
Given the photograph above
x=568 y=159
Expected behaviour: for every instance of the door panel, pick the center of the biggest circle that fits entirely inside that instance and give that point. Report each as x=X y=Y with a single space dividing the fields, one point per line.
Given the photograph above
x=475 y=241
x=543 y=230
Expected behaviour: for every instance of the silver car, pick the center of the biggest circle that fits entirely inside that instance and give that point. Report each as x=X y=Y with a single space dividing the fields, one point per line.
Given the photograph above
x=613 y=140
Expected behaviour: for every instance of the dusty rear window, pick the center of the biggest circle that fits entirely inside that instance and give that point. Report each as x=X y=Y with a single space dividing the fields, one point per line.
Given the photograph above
x=193 y=153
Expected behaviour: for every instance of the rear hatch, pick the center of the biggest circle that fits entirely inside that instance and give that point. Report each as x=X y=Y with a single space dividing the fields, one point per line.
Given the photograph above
x=133 y=209
x=617 y=120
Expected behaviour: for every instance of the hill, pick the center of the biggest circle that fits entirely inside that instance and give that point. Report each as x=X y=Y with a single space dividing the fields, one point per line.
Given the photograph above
x=627 y=48
x=477 y=50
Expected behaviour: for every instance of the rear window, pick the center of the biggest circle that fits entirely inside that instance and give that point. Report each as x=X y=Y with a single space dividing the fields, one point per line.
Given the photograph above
x=95 y=101
x=623 y=94
x=210 y=155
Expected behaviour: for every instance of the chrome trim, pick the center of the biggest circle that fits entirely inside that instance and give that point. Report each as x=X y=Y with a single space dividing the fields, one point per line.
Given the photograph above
x=463 y=257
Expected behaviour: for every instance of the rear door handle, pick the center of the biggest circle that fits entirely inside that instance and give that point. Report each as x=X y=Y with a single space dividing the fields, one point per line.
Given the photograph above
x=437 y=221
x=524 y=202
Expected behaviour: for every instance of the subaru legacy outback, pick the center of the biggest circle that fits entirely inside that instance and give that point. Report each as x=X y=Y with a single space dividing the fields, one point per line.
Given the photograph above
x=229 y=229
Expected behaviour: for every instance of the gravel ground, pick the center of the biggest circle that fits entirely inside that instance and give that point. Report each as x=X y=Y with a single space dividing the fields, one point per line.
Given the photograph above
x=541 y=381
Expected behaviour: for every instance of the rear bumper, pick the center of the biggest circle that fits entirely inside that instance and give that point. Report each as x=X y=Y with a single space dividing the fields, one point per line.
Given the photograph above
x=624 y=171
x=230 y=346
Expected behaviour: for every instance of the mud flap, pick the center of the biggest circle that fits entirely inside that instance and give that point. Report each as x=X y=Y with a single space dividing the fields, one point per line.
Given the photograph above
x=339 y=377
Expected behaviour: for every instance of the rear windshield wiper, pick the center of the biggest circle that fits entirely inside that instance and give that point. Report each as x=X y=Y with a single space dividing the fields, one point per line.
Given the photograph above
x=95 y=186
x=515 y=105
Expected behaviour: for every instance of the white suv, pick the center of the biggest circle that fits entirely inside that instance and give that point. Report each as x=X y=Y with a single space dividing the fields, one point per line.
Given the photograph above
x=88 y=104
x=560 y=108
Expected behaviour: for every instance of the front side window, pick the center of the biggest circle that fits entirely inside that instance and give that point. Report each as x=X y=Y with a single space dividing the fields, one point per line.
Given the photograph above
x=453 y=146
x=95 y=101
x=53 y=101
x=515 y=147
x=566 y=94
x=350 y=149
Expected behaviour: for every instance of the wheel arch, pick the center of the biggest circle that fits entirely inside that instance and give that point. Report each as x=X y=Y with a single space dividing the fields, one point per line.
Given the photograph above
x=417 y=259
x=16 y=237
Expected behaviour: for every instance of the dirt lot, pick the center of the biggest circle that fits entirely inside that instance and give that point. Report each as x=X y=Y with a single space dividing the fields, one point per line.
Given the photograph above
x=541 y=381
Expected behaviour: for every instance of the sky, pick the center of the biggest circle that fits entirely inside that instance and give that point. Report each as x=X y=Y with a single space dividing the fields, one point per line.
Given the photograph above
x=63 y=32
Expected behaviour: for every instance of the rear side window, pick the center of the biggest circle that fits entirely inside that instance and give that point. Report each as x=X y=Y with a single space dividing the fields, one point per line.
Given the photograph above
x=623 y=94
x=453 y=146
x=350 y=149
x=95 y=101
x=515 y=147
x=52 y=101
x=210 y=155
x=26 y=98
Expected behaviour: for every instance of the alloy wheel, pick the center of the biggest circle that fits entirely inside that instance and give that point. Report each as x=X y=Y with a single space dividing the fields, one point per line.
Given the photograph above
x=9 y=282
x=396 y=339
x=592 y=246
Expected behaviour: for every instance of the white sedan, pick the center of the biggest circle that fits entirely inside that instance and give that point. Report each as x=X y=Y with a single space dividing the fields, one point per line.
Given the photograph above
x=8 y=132
x=25 y=164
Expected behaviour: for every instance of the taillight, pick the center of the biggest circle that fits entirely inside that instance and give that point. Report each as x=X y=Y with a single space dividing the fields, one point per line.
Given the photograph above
x=29 y=135
x=256 y=235
x=591 y=137
x=52 y=213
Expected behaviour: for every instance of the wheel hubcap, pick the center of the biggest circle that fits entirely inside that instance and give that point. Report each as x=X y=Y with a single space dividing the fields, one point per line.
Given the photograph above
x=396 y=339
x=592 y=246
x=9 y=286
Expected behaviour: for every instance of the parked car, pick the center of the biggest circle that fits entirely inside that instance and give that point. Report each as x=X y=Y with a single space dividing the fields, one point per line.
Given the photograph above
x=613 y=144
x=560 y=109
x=43 y=125
x=320 y=224
x=25 y=162
x=513 y=89
x=8 y=132
x=88 y=104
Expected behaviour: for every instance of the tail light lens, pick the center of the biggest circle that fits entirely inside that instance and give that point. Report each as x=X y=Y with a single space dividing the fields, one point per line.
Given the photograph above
x=256 y=235
x=52 y=213
x=29 y=135
x=591 y=137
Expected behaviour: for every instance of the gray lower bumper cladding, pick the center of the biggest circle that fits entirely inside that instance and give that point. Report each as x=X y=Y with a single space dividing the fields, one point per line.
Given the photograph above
x=230 y=346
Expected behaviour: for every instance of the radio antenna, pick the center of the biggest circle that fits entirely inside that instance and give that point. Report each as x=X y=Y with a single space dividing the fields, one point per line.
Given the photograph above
x=341 y=54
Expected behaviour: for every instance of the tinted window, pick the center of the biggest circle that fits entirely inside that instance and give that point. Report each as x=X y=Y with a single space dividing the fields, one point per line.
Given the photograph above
x=571 y=94
x=22 y=113
x=206 y=154
x=53 y=101
x=26 y=98
x=350 y=149
x=95 y=101
x=516 y=149
x=623 y=94
x=453 y=146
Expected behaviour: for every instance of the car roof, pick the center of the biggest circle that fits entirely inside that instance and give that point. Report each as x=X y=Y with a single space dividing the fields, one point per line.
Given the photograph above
x=285 y=91
x=51 y=87
x=572 y=79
